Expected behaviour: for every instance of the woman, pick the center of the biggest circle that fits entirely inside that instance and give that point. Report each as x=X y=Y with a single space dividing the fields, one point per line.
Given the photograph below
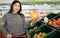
x=14 y=22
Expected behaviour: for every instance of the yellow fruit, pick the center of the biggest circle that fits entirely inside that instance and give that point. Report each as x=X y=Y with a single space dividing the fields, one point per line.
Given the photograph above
x=44 y=34
x=34 y=15
x=38 y=36
x=35 y=36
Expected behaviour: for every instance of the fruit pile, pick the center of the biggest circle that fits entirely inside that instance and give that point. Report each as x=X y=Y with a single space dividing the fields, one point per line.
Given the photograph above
x=34 y=15
x=32 y=30
x=55 y=22
x=35 y=28
x=40 y=35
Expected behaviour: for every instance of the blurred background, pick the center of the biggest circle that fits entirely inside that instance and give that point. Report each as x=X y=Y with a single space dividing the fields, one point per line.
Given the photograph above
x=28 y=6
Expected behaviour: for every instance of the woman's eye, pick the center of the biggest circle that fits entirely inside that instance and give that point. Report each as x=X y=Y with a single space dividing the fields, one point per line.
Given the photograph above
x=18 y=6
x=15 y=5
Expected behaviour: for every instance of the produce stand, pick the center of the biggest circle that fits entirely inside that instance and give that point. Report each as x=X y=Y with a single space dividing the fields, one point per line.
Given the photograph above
x=50 y=30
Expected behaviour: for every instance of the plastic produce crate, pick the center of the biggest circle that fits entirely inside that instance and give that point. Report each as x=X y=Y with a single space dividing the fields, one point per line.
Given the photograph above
x=53 y=34
x=42 y=28
x=37 y=24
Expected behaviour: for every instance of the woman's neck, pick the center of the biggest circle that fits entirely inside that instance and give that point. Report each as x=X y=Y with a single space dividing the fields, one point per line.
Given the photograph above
x=14 y=12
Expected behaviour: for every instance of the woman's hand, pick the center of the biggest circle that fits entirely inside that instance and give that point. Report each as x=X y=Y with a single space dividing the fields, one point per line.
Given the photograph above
x=9 y=36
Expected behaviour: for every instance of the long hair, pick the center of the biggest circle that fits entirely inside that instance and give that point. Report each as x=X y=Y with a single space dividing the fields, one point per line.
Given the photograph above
x=11 y=8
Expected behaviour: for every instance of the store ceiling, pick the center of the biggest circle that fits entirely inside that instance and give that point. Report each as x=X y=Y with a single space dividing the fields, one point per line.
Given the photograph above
x=9 y=1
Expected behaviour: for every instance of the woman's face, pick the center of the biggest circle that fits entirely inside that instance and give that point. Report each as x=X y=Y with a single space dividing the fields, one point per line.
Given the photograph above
x=16 y=7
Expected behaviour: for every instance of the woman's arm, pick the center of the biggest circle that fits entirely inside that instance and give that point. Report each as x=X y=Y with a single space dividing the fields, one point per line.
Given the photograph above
x=26 y=24
x=3 y=26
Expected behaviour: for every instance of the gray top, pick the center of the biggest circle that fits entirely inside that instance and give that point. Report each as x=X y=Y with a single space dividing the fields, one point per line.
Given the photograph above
x=14 y=24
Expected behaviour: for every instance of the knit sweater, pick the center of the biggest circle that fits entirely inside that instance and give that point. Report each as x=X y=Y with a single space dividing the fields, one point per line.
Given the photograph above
x=14 y=24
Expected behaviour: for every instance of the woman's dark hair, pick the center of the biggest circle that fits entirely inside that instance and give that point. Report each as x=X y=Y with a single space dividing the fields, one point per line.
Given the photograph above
x=11 y=8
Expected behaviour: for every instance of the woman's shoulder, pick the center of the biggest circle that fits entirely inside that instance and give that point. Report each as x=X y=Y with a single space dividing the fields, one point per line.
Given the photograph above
x=5 y=15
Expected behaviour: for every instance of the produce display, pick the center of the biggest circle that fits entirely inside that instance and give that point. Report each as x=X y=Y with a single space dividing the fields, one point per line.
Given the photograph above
x=41 y=29
x=40 y=35
x=55 y=22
